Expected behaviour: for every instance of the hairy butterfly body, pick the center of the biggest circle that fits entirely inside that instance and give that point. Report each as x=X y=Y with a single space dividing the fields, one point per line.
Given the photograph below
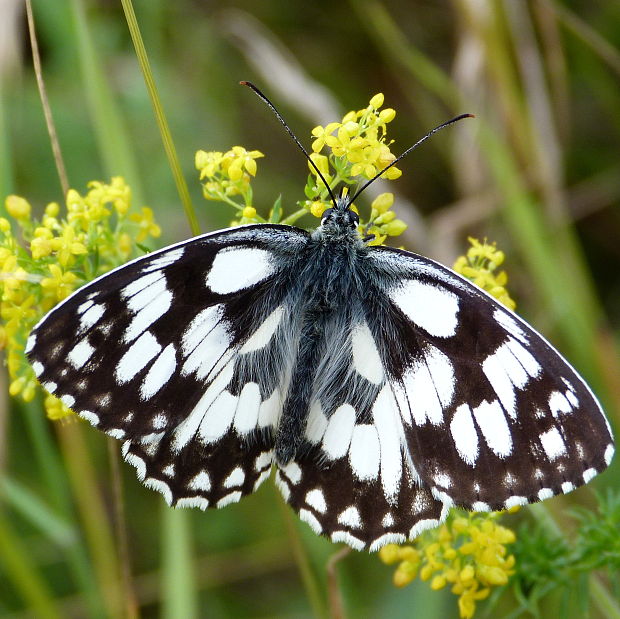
x=384 y=387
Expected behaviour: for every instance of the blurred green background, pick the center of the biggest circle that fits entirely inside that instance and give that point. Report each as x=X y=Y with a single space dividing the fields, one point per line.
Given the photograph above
x=537 y=171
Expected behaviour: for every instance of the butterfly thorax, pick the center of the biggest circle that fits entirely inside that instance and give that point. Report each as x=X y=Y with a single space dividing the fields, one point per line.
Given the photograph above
x=331 y=293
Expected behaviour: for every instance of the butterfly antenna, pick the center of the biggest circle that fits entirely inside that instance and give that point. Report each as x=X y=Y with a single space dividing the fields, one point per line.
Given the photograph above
x=428 y=135
x=290 y=132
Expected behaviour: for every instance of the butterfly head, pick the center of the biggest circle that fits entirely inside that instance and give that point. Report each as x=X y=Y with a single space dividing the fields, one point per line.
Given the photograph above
x=340 y=219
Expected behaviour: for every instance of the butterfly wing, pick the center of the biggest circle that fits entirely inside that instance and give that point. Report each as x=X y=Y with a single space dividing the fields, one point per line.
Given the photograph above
x=183 y=354
x=494 y=415
x=436 y=395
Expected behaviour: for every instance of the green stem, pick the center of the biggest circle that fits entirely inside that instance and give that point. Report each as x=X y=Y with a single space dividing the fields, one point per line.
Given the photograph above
x=293 y=217
x=178 y=580
x=308 y=577
x=160 y=117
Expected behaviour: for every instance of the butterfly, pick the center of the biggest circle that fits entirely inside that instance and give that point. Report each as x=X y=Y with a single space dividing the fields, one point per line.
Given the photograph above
x=383 y=387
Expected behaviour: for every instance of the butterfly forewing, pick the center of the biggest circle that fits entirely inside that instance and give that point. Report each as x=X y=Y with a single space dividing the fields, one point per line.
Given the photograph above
x=493 y=415
x=170 y=353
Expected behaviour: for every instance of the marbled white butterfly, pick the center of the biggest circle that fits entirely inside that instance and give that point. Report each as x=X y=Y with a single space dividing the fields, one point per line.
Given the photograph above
x=384 y=387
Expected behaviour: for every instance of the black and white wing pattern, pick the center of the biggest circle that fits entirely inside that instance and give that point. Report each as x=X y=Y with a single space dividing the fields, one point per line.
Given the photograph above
x=384 y=387
x=184 y=354
x=449 y=399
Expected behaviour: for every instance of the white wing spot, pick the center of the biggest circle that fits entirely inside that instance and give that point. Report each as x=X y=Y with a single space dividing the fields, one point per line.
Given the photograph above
x=545 y=493
x=246 y=416
x=347 y=538
x=140 y=353
x=559 y=404
x=513 y=501
x=494 y=427
x=433 y=308
x=193 y=501
x=236 y=478
x=553 y=443
x=89 y=416
x=164 y=260
x=140 y=284
x=116 y=433
x=90 y=317
x=233 y=497
x=337 y=437
x=317 y=423
x=269 y=411
x=388 y=521
x=387 y=538
x=316 y=499
x=293 y=472
x=201 y=481
x=154 y=309
x=387 y=423
x=310 y=518
x=168 y=470
x=187 y=429
x=263 y=460
x=364 y=453
x=506 y=373
x=366 y=359
x=567 y=487
x=159 y=373
x=80 y=354
x=38 y=368
x=237 y=268
x=442 y=479
x=50 y=387
x=510 y=324
x=589 y=474
x=218 y=418
x=464 y=434
x=350 y=517
x=30 y=342
x=480 y=506
x=609 y=454
x=428 y=386
x=160 y=486
x=262 y=336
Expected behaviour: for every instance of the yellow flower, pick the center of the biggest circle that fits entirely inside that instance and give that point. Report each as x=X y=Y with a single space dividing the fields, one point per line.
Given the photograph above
x=208 y=163
x=60 y=284
x=237 y=160
x=17 y=207
x=146 y=223
x=479 y=265
x=382 y=203
x=467 y=552
x=321 y=134
x=66 y=246
x=377 y=101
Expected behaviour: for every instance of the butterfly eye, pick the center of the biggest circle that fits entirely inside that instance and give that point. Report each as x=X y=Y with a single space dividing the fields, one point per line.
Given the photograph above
x=355 y=218
x=326 y=215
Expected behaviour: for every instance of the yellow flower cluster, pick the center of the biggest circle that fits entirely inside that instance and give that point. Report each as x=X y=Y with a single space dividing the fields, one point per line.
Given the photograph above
x=50 y=257
x=228 y=174
x=479 y=265
x=467 y=552
x=359 y=139
x=358 y=149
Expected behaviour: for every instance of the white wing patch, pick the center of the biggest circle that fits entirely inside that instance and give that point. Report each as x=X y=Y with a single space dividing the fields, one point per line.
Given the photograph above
x=366 y=357
x=433 y=308
x=250 y=266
